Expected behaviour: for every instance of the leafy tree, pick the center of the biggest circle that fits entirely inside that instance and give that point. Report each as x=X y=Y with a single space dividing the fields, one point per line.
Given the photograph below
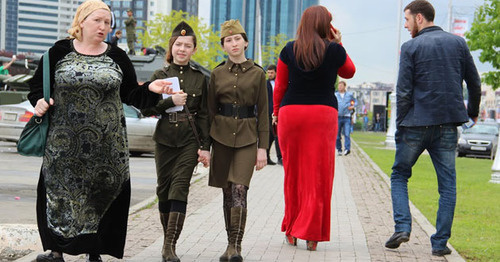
x=485 y=35
x=160 y=28
x=271 y=51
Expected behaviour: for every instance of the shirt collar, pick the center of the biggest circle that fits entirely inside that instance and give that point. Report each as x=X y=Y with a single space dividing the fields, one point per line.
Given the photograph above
x=179 y=67
x=243 y=66
x=429 y=29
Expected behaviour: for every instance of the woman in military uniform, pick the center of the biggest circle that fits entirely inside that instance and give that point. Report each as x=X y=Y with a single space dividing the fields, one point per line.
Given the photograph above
x=181 y=137
x=238 y=109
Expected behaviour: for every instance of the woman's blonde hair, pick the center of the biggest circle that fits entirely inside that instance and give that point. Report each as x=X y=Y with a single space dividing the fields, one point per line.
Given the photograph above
x=84 y=10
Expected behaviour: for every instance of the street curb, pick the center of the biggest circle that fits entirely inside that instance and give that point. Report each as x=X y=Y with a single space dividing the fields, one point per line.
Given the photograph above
x=418 y=217
x=199 y=173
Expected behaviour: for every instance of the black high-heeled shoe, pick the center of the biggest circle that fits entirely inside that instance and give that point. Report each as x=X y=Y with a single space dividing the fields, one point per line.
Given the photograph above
x=93 y=258
x=49 y=257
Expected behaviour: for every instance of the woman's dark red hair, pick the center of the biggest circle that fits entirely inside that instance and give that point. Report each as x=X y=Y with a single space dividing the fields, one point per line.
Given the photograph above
x=312 y=37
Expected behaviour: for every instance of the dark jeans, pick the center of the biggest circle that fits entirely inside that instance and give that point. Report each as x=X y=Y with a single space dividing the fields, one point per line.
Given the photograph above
x=440 y=141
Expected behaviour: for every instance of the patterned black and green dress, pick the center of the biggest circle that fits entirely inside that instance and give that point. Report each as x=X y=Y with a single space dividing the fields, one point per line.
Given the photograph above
x=84 y=186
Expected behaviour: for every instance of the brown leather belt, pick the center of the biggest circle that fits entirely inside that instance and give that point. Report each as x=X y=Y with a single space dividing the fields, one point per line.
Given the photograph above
x=175 y=117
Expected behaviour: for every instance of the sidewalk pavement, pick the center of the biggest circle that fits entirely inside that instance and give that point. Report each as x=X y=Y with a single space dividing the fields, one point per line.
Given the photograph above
x=361 y=222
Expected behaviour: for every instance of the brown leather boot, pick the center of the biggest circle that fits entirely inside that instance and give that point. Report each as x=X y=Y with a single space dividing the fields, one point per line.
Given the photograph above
x=227 y=220
x=238 y=220
x=164 y=222
x=172 y=233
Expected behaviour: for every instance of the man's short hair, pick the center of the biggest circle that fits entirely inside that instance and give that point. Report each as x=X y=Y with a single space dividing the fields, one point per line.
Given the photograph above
x=343 y=82
x=271 y=67
x=422 y=7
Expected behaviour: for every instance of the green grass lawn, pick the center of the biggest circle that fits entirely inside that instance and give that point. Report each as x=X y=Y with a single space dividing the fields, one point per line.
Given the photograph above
x=476 y=228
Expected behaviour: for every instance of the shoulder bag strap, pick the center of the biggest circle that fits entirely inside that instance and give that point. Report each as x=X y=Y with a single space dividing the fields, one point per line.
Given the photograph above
x=46 y=77
x=193 y=126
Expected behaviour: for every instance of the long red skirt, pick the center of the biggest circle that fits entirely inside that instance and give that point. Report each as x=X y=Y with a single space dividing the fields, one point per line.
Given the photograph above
x=307 y=134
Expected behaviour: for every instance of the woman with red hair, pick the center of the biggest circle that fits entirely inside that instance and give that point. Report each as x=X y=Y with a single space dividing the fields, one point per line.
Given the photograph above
x=305 y=110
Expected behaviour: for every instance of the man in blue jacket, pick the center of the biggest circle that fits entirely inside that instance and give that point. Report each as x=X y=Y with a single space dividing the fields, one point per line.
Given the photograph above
x=430 y=106
x=346 y=103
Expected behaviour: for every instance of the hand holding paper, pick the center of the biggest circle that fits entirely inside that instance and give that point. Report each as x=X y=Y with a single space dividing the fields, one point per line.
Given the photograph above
x=179 y=98
x=176 y=89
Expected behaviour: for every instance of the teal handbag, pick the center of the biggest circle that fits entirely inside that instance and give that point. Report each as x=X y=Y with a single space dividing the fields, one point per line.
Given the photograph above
x=34 y=136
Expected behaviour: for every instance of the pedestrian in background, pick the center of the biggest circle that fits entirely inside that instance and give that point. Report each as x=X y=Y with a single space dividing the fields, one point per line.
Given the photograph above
x=346 y=104
x=116 y=38
x=238 y=109
x=130 y=24
x=83 y=194
x=430 y=106
x=305 y=109
x=377 y=126
x=177 y=149
x=365 y=122
x=4 y=68
x=271 y=75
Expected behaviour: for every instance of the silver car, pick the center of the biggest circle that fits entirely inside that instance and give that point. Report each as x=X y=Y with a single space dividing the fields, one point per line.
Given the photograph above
x=140 y=129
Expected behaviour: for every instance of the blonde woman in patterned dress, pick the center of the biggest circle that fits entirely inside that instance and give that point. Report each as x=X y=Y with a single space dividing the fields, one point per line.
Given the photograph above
x=84 y=187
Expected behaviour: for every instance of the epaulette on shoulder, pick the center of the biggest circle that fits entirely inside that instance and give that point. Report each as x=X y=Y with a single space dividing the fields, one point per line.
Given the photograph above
x=221 y=64
x=194 y=66
x=259 y=66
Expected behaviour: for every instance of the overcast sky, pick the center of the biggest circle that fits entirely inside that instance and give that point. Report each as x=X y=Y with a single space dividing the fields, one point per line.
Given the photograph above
x=369 y=30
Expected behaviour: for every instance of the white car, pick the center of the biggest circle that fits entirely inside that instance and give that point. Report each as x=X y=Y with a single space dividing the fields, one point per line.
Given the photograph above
x=140 y=129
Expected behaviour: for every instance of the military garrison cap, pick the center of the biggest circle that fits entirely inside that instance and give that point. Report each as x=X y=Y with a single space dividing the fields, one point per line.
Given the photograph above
x=183 y=29
x=231 y=27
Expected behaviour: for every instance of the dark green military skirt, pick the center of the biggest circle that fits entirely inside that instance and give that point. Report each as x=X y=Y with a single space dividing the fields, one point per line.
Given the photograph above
x=229 y=164
x=174 y=169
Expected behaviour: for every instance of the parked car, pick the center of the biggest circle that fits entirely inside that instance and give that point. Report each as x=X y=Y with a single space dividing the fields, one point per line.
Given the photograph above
x=479 y=140
x=140 y=129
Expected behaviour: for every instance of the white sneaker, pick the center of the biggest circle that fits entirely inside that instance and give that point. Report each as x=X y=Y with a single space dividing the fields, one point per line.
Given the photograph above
x=346 y=152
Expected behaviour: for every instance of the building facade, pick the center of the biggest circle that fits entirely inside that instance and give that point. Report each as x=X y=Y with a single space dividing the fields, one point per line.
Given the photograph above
x=8 y=25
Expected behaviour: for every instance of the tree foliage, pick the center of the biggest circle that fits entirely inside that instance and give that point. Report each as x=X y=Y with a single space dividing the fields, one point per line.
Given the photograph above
x=160 y=28
x=271 y=51
x=484 y=35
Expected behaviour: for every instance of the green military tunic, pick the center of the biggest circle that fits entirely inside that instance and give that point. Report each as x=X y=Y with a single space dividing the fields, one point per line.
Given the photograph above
x=176 y=146
x=130 y=24
x=236 y=140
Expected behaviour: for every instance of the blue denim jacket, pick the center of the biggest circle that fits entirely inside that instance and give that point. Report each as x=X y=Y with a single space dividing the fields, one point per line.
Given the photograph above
x=345 y=102
x=432 y=68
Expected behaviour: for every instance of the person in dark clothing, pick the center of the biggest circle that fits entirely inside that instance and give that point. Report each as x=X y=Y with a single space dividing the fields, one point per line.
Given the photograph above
x=116 y=38
x=177 y=150
x=430 y=106
x=271 y=75
x=148 y=51
x=83 y=193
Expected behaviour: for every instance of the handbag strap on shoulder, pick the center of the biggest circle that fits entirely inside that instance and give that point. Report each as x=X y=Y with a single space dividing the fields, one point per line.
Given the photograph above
x=46 y=76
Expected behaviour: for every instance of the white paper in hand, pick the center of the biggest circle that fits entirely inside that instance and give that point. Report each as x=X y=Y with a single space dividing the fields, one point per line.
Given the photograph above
x=176 y=88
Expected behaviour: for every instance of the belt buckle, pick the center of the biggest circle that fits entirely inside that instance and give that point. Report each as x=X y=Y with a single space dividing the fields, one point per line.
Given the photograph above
x=172 y=117
x=236 y=111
